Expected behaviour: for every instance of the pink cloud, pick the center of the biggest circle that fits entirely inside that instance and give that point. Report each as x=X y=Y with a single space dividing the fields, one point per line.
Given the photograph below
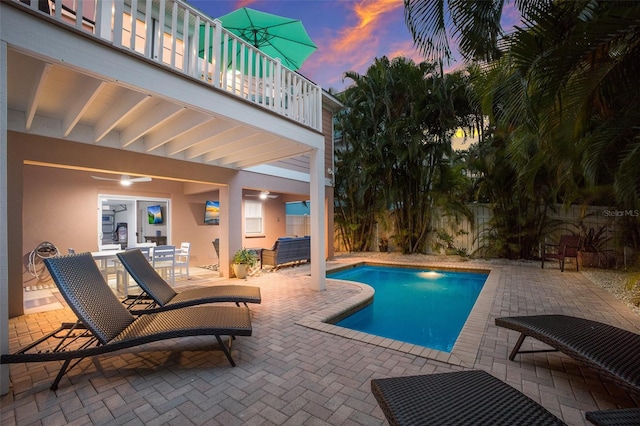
x=354 y=47
x=243 y=3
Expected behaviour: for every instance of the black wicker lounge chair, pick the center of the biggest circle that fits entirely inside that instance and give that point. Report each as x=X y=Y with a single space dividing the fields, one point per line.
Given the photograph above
x=459 y=398
x=616 y=417
x=612 y=351
x=158 y=295
x=105 y=325
x=472 y=398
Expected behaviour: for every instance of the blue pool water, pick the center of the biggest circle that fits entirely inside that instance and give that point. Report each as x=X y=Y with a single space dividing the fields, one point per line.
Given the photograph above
x=423 y=307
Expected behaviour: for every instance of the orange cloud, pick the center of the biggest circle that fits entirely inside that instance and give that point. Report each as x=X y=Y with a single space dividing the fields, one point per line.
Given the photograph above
x=370 y=16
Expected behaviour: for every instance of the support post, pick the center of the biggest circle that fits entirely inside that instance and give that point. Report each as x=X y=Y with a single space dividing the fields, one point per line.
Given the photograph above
x=318 y=234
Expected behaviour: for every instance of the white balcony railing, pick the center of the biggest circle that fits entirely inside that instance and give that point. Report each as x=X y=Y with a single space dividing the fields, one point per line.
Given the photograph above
x=177 y=36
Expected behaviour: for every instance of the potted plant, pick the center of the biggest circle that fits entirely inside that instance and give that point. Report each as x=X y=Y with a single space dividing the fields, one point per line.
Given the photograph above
x=592 y=245
x=243 y=259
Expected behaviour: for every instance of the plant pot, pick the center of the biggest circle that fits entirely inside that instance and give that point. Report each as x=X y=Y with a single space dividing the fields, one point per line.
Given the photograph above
x=587 y=259
x=450 y=251
x=240 y=270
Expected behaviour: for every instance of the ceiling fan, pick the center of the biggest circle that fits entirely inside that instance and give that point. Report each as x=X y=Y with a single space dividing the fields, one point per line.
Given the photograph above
x=263 y=195
x=125 y=180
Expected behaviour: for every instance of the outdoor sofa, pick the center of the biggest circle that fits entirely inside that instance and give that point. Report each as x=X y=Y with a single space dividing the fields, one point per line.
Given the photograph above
x=287 y=250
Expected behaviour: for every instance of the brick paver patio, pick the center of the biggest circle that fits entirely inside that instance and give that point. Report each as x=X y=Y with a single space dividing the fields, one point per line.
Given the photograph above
x=291 y=373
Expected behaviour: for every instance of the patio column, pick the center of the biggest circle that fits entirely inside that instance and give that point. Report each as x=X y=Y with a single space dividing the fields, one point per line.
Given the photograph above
x=4 y=250
x=318 y=234
x=231 y=225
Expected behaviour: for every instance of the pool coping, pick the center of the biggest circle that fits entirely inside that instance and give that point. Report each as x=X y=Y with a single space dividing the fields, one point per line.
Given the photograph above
x=466 y=347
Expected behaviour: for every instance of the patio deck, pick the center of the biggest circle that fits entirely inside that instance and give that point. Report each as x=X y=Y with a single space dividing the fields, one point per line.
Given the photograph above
x=294 y=374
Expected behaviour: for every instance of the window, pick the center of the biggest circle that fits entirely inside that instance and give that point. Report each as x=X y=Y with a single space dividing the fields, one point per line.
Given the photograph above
x=253 y=217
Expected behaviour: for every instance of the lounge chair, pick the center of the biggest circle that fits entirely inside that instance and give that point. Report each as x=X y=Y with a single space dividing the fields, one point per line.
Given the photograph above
x=105 y=325
x=567 y=248
x=615 y=417
x=471 y=398
x=163 y=297
x=458 y=398
x=612 y=351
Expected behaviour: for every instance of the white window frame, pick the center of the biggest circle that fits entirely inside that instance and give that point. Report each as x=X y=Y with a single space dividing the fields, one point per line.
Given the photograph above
x=253 y=218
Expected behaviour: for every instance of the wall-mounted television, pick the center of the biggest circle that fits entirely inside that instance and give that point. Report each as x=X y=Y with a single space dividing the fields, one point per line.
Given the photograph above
x=212 y=213
x=155 y=215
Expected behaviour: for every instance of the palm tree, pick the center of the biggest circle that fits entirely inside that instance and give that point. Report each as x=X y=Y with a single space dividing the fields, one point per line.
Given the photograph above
x=565 y=93
x=474 y=26
x=401 y=116
x=358 y=205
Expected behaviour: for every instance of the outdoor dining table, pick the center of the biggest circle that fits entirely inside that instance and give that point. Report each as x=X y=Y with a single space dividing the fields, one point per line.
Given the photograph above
x=103 y=258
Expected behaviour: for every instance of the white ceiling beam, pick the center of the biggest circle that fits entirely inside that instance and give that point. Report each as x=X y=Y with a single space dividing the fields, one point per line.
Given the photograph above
x=118 y=112
x=199 y=135
x=86 y=91
x=239 y=146
x=160 y=114
x=36 y=91
x=222 y=139
x=267 y=156
x=249 y=150
x=181 y=124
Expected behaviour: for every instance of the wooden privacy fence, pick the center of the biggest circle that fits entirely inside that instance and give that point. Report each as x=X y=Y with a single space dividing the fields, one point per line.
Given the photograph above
x=466 y=234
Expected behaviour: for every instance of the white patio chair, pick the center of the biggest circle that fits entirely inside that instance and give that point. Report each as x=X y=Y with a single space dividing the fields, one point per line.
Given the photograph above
x=123 y=283
x=109 y=266
x=163 y=259
x=182 y=259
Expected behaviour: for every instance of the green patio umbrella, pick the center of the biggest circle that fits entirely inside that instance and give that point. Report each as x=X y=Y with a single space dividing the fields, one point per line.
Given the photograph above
x=276 y=36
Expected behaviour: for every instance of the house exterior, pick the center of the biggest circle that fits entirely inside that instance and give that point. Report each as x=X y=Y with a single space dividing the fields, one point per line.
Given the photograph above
x=94 y=89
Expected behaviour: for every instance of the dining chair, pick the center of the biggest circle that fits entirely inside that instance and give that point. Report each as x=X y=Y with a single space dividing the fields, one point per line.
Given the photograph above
x=109 y=266
x=163 y=259
x=147 y=250
x=182 y=259
x=123 y=284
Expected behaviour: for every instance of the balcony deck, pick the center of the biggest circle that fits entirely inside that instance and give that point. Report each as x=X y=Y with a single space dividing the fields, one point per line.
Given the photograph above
x=173 y=93
x=182 y=45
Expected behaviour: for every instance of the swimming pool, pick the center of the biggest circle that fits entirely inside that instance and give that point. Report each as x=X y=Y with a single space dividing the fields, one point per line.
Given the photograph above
x=419 y=306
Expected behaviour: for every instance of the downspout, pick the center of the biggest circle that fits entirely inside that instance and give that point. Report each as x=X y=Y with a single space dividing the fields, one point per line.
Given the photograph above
x=4 y=208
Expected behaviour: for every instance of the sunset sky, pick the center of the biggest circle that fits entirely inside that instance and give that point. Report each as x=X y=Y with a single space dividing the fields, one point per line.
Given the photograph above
x=349 y=34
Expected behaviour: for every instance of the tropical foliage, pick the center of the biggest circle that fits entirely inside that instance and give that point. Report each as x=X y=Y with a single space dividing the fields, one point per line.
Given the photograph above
x=562 y=97
x=396 y=152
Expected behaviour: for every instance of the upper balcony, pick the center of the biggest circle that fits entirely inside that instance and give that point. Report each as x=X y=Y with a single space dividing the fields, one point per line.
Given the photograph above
x=154 y=76
x=174 y=35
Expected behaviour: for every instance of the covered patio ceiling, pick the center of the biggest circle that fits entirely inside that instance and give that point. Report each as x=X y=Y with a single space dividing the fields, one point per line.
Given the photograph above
x=62 y=101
